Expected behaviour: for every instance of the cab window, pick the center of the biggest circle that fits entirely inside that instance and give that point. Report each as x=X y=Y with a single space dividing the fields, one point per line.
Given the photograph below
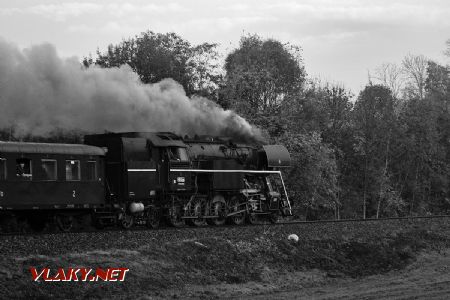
x=177 y=154
x=73 y=170
x=24 y=169
x=2 y=168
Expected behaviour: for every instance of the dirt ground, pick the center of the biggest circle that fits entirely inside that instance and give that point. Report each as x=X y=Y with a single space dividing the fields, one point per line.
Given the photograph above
x=427 y=278
x=409 y=262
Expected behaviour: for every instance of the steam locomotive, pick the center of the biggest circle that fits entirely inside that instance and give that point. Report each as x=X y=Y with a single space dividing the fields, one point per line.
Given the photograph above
x=141 y=178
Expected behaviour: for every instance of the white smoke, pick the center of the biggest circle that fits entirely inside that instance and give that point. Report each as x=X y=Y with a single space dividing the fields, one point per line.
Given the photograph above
x=41 y=93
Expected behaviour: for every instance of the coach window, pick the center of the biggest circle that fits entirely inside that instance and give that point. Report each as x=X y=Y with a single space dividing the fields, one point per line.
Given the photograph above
x=73 y=170
x=23 y=169
x=2 y=169
x=91 y=171
x=48 y=169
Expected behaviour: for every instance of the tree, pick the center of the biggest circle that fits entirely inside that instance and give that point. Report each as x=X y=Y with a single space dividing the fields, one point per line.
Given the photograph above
x=155 y=56
x=374 y=121
x=447 y=51
x=415 y=70
x=438 y=96
x=312 y=178
x=260 y=75
x=390 y=75
x=413 y=166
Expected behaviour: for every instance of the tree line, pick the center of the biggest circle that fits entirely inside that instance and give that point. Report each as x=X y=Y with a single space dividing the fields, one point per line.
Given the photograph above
x=384 y=152
x=387 y=153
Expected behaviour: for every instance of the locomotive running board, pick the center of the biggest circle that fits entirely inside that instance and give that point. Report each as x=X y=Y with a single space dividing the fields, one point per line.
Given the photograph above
x=225 y=171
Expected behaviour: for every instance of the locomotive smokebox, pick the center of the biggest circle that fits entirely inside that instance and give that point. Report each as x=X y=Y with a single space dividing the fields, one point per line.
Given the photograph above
x=274 y=156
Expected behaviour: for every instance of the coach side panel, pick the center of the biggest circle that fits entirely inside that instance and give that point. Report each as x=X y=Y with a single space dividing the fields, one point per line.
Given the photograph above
x=50 y=181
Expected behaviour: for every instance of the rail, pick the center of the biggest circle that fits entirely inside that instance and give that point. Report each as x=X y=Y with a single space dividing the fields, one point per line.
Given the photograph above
x=186 y=227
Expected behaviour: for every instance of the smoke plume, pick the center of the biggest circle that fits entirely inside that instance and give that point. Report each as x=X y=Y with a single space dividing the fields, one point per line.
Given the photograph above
x=41 y=93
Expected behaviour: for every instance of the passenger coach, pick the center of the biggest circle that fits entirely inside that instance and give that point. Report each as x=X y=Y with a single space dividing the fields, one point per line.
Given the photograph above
x=41 y=182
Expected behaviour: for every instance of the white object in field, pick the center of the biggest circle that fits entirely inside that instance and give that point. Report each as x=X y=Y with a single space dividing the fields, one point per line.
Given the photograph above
x=293 y=237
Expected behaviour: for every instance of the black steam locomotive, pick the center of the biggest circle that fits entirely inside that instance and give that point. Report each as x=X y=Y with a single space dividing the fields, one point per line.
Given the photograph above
x=141 y=178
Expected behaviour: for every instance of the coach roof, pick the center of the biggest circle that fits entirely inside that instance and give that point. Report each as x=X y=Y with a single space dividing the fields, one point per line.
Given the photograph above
x=48 y=148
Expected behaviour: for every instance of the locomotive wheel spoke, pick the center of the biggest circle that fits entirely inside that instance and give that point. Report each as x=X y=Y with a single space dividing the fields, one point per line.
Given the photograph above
x=175 y=217
x=237 y=219
x=153 y=218
x=219 y=210
x=65 y=223
x=252 y=218
x=126 y=221
x=199 y=208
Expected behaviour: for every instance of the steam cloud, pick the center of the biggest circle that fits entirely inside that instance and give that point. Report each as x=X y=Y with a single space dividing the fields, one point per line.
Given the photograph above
x=41 y=93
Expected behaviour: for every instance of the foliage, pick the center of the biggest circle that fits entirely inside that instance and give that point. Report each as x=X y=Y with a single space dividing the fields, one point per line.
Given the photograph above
x=260 y=74
x=312 y=179
x=415 y=70
x=155 y=56
x=375 y=122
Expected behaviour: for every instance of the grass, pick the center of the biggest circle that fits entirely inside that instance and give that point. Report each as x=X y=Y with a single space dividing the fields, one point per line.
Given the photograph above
x=155 y=268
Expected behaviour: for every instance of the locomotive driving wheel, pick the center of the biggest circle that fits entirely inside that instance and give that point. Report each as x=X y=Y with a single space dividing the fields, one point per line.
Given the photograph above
x=126 y=220
x=153 y=218
x=233 y=205
x=198 y=211
x=218 y=210
x=252 y=218
x=175 y=217
x=64 y=222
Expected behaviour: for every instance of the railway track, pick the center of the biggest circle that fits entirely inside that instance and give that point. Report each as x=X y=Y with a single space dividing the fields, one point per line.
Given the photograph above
x=262 y=224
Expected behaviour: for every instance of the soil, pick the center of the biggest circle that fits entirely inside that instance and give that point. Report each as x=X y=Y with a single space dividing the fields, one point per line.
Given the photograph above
x=427 y=278
x=408 y=262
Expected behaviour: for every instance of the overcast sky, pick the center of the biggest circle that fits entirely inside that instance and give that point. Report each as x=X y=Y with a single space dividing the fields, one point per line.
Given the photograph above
x=341 y=39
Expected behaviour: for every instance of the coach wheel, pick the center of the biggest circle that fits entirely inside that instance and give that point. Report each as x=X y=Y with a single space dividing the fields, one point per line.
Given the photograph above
x=153 y=218
x=126 y=221
x=8 y=224
x=233 y=206
x=97 y=222
x=65 y=223
x=37 y=223
x=218 y=210
x=198 y=212
x=175 y=216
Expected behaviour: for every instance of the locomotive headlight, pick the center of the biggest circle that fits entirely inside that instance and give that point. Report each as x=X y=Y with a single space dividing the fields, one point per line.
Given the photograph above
x=181 y=179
